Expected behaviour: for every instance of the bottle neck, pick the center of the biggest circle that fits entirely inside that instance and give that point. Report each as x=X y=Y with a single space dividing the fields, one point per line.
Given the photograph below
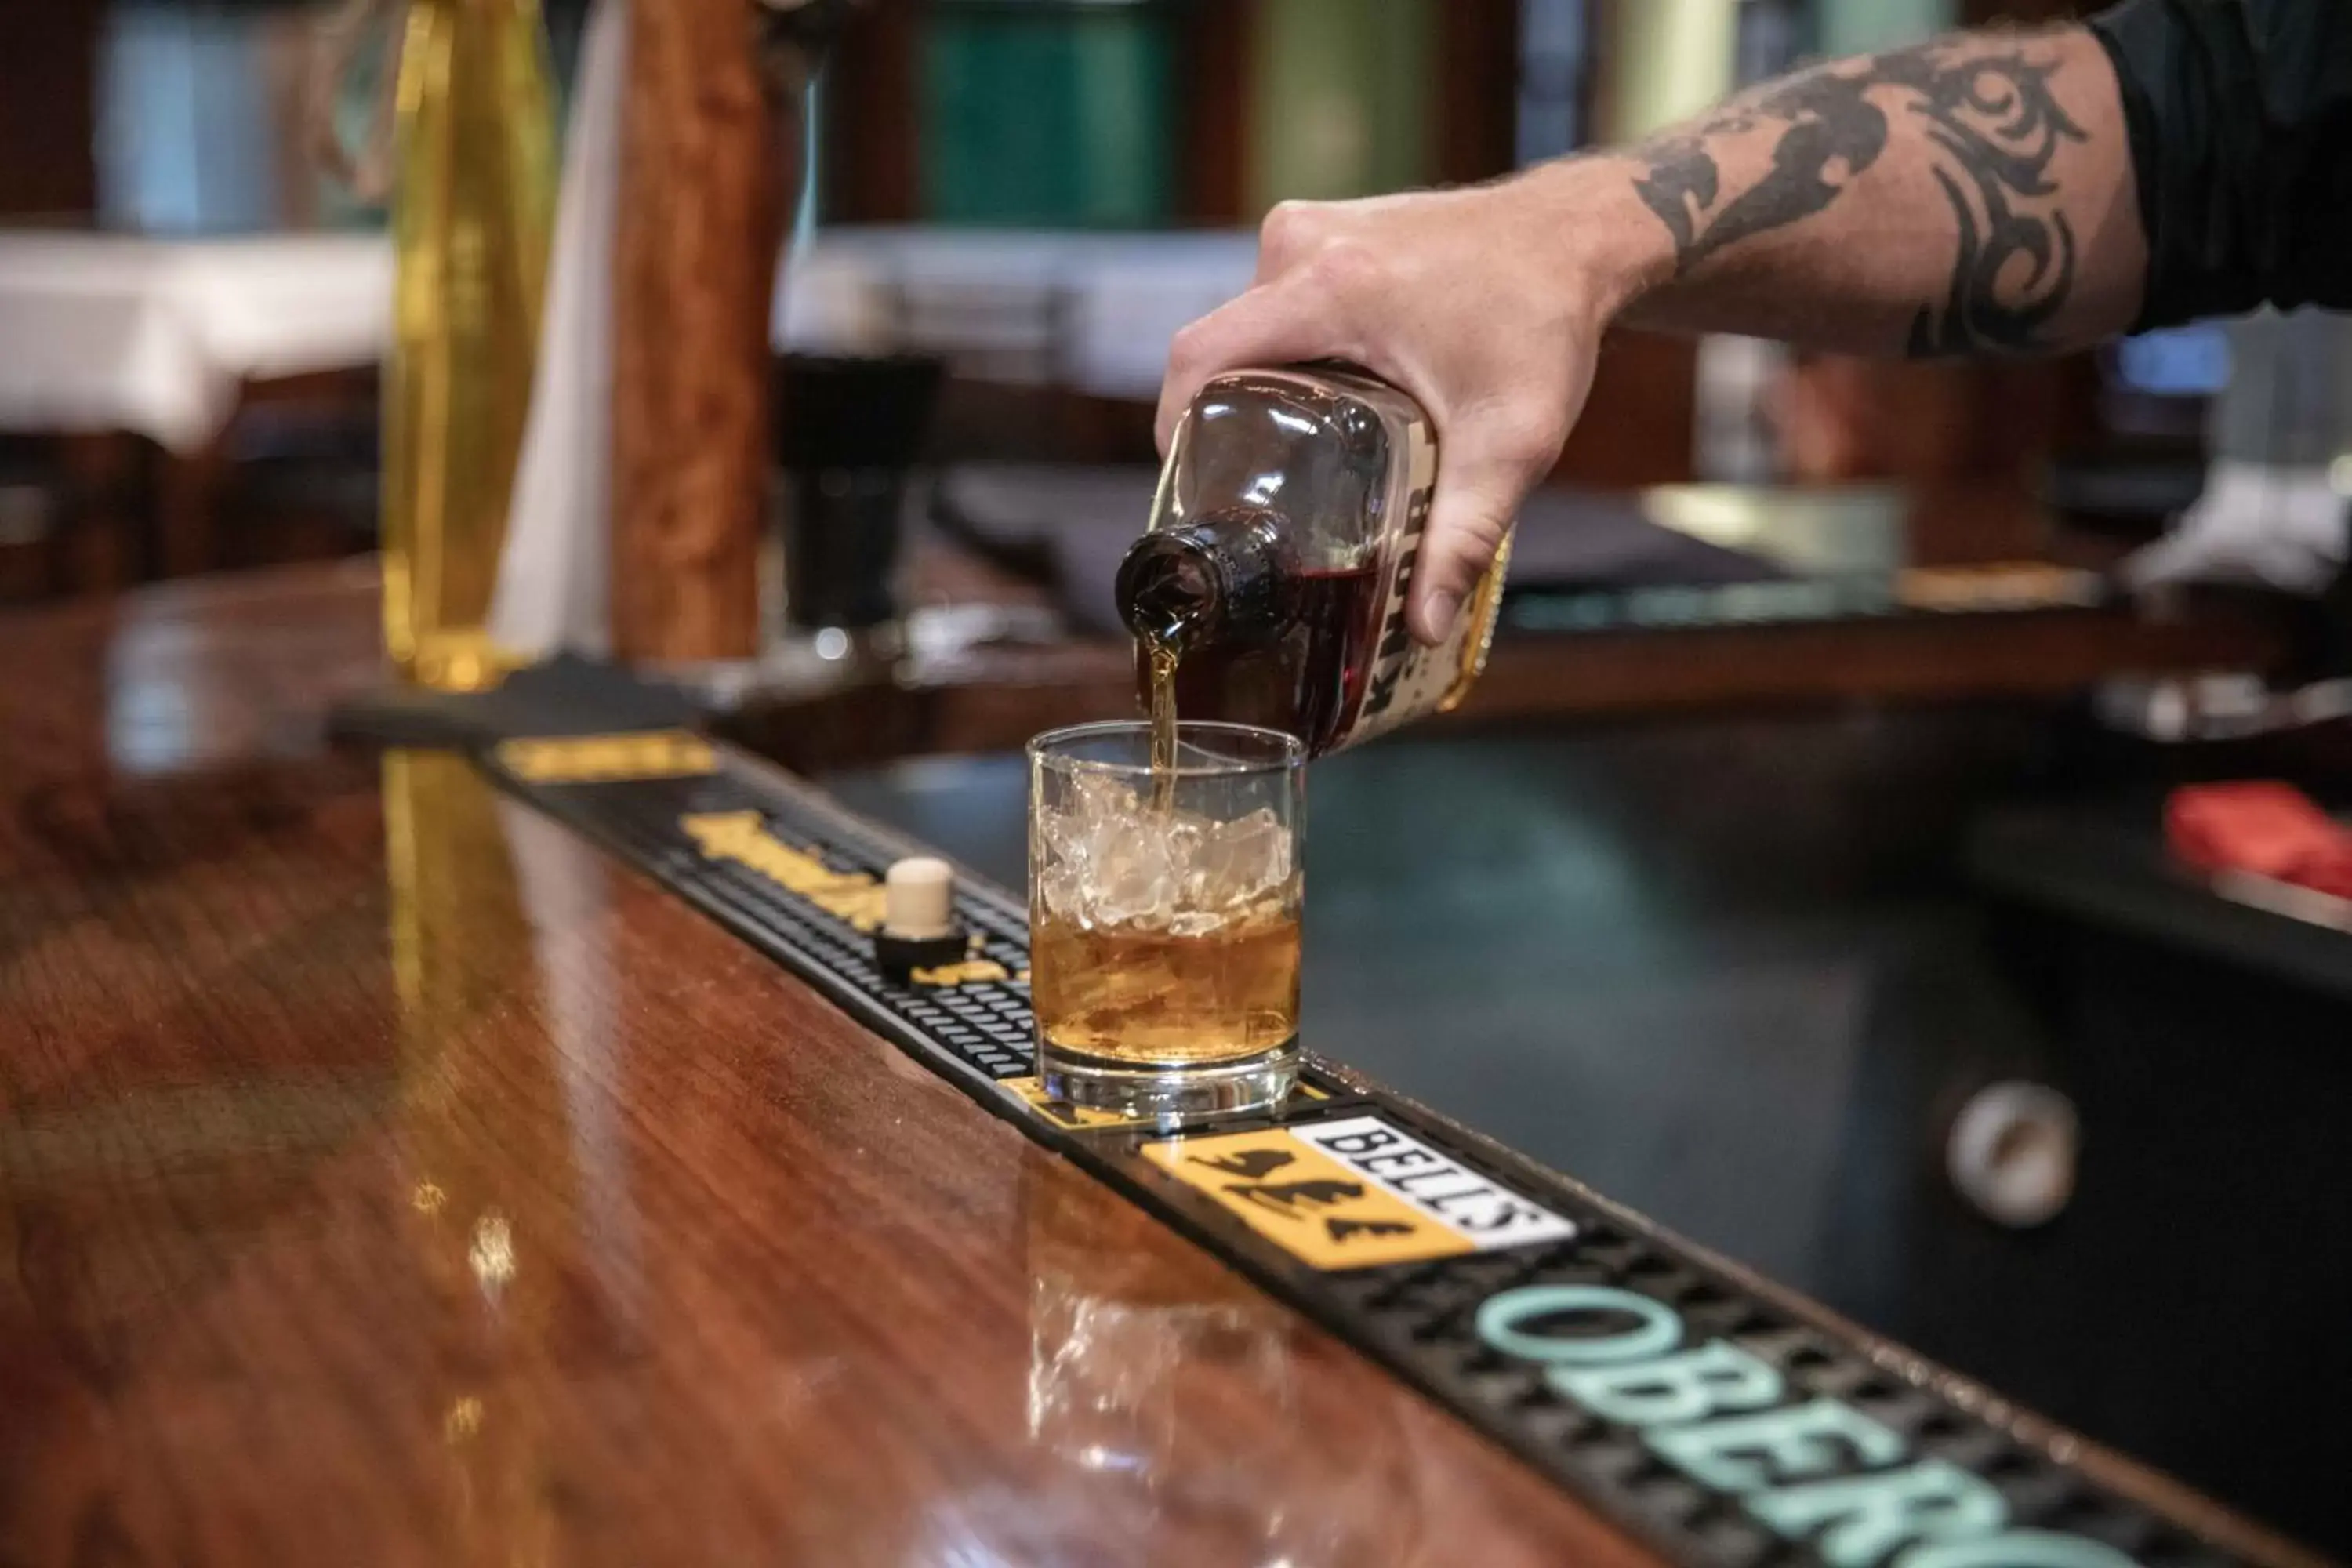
x=1222 y=578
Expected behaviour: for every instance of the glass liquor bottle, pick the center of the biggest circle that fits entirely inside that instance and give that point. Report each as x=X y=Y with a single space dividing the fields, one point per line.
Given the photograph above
x=1270 y=586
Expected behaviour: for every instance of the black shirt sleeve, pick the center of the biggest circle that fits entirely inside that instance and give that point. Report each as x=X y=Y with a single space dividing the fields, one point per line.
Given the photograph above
x=2240 y=116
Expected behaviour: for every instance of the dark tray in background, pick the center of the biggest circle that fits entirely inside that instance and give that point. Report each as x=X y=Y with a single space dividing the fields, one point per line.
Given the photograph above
x=2107 y=865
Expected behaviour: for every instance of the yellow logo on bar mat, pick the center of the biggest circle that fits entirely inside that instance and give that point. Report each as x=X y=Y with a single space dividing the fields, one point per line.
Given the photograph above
x=1065 y=1114
x=971 y=971
x=608 y=759
x=743 y=837
x=1356 y=1192
x=1061 y=1112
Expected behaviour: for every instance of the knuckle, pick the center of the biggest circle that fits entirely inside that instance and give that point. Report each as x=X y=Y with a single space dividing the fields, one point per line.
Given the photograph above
x=1468 y=540
x=1530 y=434
x=1288 y=227
x=1477 y=536
x=1489 y=528
x=1189 y=347
x=1345 y=267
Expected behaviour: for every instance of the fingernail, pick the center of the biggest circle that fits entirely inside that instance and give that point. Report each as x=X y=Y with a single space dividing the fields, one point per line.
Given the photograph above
x=1442 y=608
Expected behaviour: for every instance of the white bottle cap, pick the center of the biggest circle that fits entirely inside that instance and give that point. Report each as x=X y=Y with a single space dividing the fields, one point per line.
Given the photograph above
x=918 y=899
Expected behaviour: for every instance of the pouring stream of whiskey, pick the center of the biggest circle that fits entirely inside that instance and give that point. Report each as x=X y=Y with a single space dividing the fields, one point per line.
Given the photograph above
x=1162 y=651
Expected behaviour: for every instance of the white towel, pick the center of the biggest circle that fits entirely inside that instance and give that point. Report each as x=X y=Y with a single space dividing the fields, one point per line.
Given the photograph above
x=553 y=590
x=2257 y=524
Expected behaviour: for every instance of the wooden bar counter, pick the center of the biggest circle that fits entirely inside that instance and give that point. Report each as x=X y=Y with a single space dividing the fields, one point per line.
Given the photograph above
x=389 y=1176
x=386 y=1176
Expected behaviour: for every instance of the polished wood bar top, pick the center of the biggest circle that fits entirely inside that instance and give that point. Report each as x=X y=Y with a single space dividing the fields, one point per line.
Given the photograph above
x=386 y=1176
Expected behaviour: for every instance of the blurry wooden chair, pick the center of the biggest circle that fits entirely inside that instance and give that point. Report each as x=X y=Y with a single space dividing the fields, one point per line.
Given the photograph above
x=301 y=471
x=75 y=514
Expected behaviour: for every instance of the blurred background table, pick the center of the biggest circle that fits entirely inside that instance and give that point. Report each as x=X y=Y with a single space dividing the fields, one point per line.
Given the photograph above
x=158 y=337
x=145 y=365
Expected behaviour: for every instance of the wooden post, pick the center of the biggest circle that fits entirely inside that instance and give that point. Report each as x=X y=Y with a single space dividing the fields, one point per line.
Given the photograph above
x=706 y=169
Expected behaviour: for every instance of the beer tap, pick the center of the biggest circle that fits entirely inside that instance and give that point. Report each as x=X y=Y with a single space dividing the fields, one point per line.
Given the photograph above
x=712 y=163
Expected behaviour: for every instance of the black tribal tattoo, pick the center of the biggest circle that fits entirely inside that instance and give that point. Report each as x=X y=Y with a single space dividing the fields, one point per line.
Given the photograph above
x=1992 y=117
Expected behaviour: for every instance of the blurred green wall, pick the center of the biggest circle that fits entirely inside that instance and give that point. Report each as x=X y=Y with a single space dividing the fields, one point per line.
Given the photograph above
x=1052 y=114
x=1866 y=27
x=1343 y=98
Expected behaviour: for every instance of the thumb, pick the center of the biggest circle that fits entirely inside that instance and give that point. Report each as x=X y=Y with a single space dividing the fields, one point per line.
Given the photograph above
x=1475 y=503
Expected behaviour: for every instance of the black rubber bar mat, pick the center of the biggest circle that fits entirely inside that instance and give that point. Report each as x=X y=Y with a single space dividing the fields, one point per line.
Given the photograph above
x=1717 y=1418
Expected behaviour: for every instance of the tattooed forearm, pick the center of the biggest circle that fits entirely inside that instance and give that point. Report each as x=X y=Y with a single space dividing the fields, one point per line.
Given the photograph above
x=1995 y=128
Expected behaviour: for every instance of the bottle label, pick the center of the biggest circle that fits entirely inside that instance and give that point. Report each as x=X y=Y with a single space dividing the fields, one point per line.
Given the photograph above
x=1409 y=681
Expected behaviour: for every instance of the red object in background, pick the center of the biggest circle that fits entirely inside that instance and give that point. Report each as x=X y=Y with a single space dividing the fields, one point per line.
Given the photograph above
x=2263 y=827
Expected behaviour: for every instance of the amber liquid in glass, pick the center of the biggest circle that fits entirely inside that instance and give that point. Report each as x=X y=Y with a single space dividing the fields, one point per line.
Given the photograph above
x=1153 y=997
x=1149 y=996
x=471 y=222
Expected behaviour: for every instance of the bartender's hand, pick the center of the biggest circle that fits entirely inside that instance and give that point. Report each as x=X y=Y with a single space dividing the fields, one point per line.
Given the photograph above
x=1486 y=304
x=1966 y=196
